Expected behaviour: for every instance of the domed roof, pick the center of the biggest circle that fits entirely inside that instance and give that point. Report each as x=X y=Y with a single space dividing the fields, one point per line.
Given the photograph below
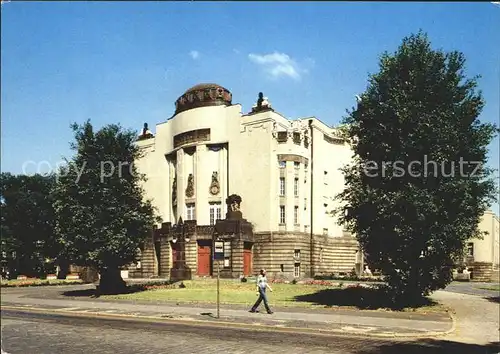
x=203 y=95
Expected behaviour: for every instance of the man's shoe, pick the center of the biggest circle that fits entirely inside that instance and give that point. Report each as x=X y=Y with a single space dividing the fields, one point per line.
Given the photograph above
x=270 y=312
x=253 y=311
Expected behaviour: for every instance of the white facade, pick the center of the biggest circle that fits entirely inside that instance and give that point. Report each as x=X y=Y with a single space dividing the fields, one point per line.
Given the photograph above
x=487 y=249
x=258 y=156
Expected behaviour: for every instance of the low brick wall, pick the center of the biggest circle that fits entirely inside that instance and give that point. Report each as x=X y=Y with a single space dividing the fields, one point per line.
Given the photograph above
x=495 y=276
x=276 y=253
x=273 y=251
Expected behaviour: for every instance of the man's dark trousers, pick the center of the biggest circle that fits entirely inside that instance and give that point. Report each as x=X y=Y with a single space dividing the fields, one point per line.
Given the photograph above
x=262 y=296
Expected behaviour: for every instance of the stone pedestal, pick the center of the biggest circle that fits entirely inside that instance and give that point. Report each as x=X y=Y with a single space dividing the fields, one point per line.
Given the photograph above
x=238 y=231
x=180 y=273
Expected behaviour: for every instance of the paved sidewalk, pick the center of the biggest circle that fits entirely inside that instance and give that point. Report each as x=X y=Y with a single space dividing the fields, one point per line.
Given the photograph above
x=478 y=318
x=383 y=324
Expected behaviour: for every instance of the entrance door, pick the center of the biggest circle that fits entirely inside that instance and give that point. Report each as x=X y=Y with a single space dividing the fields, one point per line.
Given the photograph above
x=247 y=259
x=174 y=247
x=204 y=253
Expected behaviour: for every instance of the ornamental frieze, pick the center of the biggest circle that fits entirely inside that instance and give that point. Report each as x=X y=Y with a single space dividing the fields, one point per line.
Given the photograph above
x=294 y=158
x=333 y=140
x=202 y=96
x=192 y=136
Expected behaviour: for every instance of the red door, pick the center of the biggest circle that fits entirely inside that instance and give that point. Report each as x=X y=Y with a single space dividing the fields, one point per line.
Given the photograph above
x=204 y=252
x=247 y=259
x=174 y=247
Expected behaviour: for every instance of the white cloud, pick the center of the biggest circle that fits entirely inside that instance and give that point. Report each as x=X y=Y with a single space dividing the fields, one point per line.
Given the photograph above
x=278 y=64
x=194 y=54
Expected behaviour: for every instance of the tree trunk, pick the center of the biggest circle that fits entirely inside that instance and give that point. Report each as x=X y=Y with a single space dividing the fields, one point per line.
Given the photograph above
x=111 y=282
x=63 y=268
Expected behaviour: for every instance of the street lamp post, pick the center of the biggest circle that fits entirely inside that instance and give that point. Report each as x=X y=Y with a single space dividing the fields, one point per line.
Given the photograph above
x=180 y=270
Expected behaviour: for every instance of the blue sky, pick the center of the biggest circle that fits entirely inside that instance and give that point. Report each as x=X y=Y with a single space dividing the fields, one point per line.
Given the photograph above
x=127 y=62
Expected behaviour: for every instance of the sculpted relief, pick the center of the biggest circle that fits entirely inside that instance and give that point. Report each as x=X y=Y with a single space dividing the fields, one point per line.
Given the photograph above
x=233 y=202
x=174 y=190
x=190 y=186
x=191 y=137
x=214 y=185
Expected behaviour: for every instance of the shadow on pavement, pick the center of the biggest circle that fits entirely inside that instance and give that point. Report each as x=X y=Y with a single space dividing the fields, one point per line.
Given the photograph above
x=362 y=298
x=94 y=293
x=431 y=346
x=494 y=299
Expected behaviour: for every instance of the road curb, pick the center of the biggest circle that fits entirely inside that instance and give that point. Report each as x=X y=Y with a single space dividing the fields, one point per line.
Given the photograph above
x=226 y=324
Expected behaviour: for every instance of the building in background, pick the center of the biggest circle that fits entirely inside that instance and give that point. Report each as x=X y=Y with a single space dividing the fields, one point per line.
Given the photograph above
x=482 y=255
x=287 y=173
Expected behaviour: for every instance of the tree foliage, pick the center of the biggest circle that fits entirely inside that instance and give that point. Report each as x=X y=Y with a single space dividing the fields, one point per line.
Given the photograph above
x=28 y=220
x=102 y=215
x=412 y=219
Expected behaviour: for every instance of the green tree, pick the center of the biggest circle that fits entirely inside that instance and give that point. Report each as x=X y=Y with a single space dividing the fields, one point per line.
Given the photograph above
x=102 y=215
x=412 y=219
x=28 y=220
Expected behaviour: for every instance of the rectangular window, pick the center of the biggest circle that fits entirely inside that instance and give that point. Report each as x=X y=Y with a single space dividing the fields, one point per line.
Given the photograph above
x=282 y=137
x=282 y=164
x=325 y=231
x=296 y=164
x=470 y=249
x=296 y=254
x=296 y=138
x=282 y=186
x=296 y=187
x=296 y=270
x=296 y=215
x=282 y=214
x=227 y=254
x=325 y=177
x=190 y=212
x=215 y=213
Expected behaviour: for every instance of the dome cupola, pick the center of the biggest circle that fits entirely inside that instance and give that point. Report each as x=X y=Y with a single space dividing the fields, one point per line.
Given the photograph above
x=203 y=95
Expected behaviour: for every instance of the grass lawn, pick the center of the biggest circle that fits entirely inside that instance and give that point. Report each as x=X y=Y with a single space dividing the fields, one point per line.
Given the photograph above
x=284 y=295
x=494 y=287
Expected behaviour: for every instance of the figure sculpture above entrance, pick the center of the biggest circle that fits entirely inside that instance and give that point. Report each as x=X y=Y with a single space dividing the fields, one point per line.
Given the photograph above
x=233 y=207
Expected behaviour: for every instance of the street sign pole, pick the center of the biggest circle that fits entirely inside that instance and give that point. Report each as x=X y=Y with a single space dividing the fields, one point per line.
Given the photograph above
x=218 y=256
x=218 y=289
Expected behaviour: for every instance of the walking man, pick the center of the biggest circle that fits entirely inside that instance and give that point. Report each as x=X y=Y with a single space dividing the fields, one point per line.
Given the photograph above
x=262 y=285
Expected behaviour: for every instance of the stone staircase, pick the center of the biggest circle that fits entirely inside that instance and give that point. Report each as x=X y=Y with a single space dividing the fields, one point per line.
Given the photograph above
x=482 y=272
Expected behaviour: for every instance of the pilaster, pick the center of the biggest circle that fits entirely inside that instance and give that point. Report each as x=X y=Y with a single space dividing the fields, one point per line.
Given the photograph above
x=181 y=186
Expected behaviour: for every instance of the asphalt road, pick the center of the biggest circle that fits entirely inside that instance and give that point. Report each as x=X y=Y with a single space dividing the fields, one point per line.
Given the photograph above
x=29 y=333
x=472 y=288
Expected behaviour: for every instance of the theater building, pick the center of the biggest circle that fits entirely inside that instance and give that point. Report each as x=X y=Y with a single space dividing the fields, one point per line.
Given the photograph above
x=274 y=178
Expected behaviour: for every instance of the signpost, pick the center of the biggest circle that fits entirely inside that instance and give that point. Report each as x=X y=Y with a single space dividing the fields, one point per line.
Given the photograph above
x=218 y=256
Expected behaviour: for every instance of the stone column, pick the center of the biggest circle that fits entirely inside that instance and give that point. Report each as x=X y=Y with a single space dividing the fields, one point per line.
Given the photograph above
x=181 y=186
x=170 y=179
x=223 y=156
